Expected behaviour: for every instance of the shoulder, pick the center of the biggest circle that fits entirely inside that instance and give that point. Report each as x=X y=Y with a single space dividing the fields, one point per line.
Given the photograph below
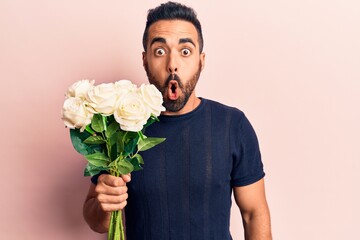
x=236 y=121
x=221 y=109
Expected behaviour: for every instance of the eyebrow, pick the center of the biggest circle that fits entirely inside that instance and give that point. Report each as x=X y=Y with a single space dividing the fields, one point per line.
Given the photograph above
x=163 y=40
x=157 y=39
x=187 y=40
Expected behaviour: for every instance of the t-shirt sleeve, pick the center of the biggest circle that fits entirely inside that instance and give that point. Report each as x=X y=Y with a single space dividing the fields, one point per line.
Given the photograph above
x=247 y=164
x=94 y=179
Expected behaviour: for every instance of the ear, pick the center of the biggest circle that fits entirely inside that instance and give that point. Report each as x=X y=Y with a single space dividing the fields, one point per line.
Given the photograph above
x=144 y=58
x=202 y=60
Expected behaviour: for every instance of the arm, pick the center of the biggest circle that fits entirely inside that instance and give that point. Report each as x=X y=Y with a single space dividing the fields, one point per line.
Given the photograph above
x=254 y=210
x=108 y=195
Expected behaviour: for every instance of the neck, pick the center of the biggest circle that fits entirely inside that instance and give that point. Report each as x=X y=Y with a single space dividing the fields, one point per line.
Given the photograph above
x=192 y=103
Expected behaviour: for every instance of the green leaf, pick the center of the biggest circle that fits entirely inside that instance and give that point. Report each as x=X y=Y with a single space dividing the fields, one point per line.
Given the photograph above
x=117 y=139
x=136 y=161
x=151 y=120
x=77 y=139
x=94 y=140
x=89 y=129
x=98 y=159
x=97 y=123
x=135 y=164
x=125 y=166
x=130 y=142
x=139 y=158
x=147 y=143
x=113 y=152
x=91 y=170
x=111 y=129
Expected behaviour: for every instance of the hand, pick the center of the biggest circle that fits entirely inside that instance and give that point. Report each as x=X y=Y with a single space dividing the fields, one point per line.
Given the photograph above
x=111 y=192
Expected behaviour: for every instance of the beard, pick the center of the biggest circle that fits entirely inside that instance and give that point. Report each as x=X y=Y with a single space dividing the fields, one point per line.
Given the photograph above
x=186 y=89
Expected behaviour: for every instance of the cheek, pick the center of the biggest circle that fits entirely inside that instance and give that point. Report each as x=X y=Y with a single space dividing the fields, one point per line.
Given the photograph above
x=158 y=71
x=192 y=67
x=155 y=65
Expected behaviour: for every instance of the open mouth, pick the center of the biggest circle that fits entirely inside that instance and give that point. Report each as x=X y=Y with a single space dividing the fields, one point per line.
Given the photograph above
x=173 y=90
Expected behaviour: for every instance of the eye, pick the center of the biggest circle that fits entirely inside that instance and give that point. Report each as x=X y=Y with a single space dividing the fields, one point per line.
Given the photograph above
x=185 y=52
x=159 y=52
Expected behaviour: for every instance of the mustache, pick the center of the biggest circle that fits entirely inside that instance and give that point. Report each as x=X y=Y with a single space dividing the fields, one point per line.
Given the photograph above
x=173 y=77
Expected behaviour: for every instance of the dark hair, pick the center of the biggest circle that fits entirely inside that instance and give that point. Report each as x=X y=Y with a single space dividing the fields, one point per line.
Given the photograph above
x=172 y=11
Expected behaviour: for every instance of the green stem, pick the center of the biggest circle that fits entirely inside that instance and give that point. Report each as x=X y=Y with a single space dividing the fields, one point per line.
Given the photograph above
x=112 y=226
x=104 y=122
x=108 y=147
x=121 y=226
x=116 y=228
x=141 y=135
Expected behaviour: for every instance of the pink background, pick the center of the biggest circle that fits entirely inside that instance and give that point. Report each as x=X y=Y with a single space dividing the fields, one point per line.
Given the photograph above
x=292 y=66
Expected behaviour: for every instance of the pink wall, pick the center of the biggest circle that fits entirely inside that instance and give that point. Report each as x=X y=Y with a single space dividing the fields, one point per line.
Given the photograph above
x=292 y=66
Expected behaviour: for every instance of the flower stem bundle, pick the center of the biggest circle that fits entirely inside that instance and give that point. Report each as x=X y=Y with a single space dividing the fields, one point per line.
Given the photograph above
x=107 y=124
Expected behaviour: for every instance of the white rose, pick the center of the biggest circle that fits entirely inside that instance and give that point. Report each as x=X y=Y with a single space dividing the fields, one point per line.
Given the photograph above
x=75 y=114
x=152 y=98
x=80 y=88
x=102 y=98
x=131 y=112
x=124 y=86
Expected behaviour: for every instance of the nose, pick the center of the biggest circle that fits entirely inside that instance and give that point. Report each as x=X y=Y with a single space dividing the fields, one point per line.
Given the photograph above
x=173 y=64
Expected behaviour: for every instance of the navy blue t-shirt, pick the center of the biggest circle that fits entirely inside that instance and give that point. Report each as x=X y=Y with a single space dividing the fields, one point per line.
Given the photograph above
x=184 y=190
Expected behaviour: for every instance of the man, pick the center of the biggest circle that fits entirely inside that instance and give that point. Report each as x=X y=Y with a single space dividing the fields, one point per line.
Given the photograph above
x=184 y=190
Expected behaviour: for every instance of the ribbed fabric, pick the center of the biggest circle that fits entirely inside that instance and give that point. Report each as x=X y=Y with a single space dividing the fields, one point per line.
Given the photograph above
x=184 y=190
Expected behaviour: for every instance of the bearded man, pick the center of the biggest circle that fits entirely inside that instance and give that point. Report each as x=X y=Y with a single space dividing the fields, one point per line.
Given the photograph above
x=210 y=152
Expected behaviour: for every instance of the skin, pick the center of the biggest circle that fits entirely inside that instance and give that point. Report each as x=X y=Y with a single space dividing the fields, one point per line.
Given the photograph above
x=110 y=194
x=173 y=48
x=254 y=210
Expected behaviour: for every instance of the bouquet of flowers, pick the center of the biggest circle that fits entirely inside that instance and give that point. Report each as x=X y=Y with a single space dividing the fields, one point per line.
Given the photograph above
x=107 y=123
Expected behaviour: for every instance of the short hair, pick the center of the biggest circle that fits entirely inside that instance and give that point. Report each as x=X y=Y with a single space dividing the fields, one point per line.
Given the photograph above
x=172 y=11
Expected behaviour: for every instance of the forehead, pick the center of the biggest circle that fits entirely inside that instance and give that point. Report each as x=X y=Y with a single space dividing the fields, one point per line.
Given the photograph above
x=173 y=29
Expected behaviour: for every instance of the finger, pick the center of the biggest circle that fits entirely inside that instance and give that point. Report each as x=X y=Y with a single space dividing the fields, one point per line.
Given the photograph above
x=106 y=199
x=108 y=190
x=126 y=178
x=107 y=207
x=111 y=180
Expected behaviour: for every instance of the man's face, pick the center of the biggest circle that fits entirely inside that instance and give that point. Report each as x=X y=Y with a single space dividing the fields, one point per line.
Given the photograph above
x=172 y=61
